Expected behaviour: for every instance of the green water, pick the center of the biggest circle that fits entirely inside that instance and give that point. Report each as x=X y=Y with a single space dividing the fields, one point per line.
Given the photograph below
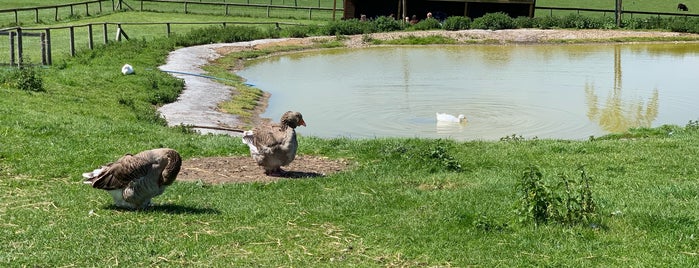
x=545 y=91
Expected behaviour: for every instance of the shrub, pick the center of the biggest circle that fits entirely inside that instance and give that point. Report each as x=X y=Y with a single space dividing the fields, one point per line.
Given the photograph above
x=27 y=78
x=427 y=24
x=524 y=22
x=456 y=23
x=569 y=202
x=217 y=34
x=387 y=24
x=297 y=31
x=546 y=22
x=348 y=27
x=493 y=21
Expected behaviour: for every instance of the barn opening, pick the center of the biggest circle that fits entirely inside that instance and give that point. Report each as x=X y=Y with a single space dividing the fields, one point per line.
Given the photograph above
x=440 y=9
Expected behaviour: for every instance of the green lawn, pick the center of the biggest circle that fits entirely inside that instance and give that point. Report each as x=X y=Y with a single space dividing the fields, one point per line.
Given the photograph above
x=405 y=202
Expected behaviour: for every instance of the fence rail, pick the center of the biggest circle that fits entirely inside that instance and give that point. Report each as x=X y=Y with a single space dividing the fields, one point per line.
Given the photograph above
x=604 y=11
x=17 y=45
x=226 y=6
x=56 y=8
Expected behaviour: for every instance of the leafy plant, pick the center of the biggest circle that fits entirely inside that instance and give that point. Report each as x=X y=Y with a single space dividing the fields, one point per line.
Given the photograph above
x=427 y=24
x=543 y=202
x=493 y=21
x=456 y=23
x=439 y=153
x=27 y=78
x=387 y=24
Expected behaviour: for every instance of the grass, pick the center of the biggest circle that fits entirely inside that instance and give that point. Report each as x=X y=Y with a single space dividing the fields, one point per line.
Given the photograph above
x=405 y=203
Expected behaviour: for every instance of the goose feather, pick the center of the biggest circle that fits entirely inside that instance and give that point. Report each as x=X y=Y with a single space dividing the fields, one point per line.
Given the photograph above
x=274 y=145
x=133 y=180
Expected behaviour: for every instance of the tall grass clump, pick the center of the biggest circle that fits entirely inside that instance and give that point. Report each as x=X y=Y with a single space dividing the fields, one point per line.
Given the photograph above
x=494 y=21
x=577 y=21
x=455 y=23
x=387 y=24
x=348 y=27
x=28 y=78
x=427 y=24
x=218 y=34
x=568 y=201
x=547 y=22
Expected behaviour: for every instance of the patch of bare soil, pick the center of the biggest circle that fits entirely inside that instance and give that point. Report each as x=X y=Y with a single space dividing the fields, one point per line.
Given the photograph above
x=216 y=170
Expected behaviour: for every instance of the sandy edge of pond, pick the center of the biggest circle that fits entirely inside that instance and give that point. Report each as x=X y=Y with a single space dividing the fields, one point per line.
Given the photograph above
x=198 y=103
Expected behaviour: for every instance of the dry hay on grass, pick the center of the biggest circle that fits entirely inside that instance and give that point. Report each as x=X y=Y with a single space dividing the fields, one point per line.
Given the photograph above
x=216 y=170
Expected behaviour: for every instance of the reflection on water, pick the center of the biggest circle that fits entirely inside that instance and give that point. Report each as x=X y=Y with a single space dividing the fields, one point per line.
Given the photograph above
x=618 y=114
x=547 y=91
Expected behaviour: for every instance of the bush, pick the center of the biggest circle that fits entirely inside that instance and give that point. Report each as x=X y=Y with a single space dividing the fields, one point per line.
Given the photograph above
x=348 y=27
x=387 y=24
x=568 y=202
x=547 y=22
x=456 y=23
x=524 y=22
x=427 y=24
x=27 y=78
x=494 y=21
x=218 y=34
x=684 y=25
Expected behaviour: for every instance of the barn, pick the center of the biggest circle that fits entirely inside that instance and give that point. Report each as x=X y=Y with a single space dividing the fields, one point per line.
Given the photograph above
x=439 y=8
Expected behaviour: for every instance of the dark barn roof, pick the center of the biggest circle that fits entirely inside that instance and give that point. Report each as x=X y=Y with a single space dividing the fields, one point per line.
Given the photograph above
x=439 y=8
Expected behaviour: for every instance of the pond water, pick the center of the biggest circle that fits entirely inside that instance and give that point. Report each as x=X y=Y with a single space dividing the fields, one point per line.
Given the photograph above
x=544 y=91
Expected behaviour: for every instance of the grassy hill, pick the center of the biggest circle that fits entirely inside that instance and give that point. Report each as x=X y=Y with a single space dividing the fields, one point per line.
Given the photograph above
x=405 y=202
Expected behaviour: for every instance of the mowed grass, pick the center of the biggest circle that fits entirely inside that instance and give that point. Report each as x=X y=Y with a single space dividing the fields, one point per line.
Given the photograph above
x=399 y=205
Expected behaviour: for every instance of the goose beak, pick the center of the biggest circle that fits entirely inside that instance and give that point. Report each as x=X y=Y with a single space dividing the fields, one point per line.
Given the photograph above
x=302 y=123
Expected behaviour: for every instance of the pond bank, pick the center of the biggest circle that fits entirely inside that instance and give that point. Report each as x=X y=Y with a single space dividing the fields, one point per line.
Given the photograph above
x=197 y=105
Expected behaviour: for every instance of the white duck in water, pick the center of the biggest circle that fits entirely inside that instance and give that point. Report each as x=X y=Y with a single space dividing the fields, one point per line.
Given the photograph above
x=443 y=117
x=134 y=179
x=274 y=145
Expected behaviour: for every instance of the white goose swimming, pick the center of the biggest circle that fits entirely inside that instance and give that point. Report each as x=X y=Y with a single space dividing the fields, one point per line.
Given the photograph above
x=274 y=145
x=134 y=179
x=443 y=117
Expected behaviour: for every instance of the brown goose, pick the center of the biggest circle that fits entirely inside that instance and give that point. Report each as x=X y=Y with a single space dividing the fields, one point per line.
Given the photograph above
x=274 y=145
x=134 y=179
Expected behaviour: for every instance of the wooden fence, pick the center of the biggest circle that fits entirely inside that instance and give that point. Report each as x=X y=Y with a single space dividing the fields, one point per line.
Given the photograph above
x=91 y=30
x=225 y=7
x=115 y=5
x=612 y=11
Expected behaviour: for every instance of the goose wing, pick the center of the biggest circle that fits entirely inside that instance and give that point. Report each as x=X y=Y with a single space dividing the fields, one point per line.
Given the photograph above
x=119 y=174
x=268 y=137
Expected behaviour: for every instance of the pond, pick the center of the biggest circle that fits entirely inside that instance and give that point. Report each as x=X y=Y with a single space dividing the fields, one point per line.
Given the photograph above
x=544 y=91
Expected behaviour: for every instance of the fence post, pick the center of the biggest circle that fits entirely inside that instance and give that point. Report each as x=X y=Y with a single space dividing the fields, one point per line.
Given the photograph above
x=167 y=25
x=55 y=15
x=43 y=49
x=227 y=10
x=90 y=39
x=71 y=35
x=100 y=5
x=310 y=13
x=12 y=48
x=20 y=53
x=71 y=11
x=268 y=10
x=49 y=59
x=16 y=18
x=36 y=15
x=185 y=7
x=104 y=28
x=87 y=9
